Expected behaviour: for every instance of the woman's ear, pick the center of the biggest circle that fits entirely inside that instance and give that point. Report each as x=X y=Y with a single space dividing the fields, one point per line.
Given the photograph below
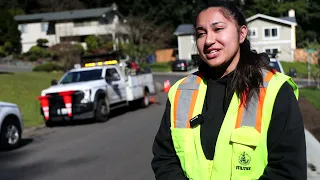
x=243 y=32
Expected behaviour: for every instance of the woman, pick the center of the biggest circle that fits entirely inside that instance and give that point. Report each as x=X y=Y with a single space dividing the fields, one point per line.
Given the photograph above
x=233 y=119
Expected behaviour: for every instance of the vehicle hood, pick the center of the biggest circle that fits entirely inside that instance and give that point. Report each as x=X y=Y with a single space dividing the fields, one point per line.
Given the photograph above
x=71 y=87
x=7 y=104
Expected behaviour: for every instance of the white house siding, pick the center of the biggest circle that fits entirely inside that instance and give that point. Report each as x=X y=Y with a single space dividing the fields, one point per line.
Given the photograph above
x=30 y=33
x=67 y=29
x=285 y=41
x=186 y=46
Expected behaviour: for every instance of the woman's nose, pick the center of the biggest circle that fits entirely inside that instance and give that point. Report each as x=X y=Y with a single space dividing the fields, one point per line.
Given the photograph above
x=210 y=39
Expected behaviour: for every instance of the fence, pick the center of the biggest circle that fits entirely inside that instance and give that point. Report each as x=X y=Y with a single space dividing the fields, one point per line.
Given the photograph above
x=165 y=55
x=301 y=56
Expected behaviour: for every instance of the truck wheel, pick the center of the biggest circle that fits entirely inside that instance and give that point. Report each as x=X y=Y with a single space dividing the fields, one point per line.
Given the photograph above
x=10 y=134
x=102 y=111
x=48 y=123
x=145 y=100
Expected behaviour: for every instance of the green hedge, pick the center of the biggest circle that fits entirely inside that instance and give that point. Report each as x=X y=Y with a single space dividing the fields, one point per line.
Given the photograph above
x=48 y=67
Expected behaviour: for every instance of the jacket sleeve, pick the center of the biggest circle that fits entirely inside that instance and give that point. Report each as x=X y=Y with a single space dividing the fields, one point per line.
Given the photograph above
x=165 y=163
x=286 y=140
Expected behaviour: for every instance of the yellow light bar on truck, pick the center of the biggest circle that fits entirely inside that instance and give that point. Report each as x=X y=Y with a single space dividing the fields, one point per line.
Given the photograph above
x=100 y=63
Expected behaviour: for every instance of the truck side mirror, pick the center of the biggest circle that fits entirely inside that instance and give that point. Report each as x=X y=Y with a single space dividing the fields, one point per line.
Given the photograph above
x=54 y=82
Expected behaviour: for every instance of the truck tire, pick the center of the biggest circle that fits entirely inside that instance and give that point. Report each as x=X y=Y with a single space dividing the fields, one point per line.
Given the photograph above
x=48 y=123
x=102 y=111
x=10 y=134
x=145 y=100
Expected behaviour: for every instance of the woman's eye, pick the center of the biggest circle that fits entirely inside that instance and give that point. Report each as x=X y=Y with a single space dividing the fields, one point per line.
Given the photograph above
x=200 y=34
x=218 y=29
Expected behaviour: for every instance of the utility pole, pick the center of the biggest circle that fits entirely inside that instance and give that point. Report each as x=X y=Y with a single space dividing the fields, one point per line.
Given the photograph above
x=310 y=51
x=309 y=68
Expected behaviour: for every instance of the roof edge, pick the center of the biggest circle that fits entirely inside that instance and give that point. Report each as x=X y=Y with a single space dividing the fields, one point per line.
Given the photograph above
x=270 y=18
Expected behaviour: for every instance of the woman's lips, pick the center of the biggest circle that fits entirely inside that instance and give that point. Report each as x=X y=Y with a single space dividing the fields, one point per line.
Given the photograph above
x=213 y=54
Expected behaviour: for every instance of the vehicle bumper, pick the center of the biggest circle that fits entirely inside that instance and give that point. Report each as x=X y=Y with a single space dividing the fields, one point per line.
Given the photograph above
x=79 y=112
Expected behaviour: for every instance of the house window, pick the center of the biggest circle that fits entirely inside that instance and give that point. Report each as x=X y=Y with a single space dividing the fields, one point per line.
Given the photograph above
x=253 y=32
x=24 y=28
x=44 y=27
x=271 y=50
x=271 y=33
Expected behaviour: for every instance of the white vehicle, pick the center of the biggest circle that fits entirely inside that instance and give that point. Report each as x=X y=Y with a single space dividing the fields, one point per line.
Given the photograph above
x=93 y=91
x=275 y=63
x=11 y=125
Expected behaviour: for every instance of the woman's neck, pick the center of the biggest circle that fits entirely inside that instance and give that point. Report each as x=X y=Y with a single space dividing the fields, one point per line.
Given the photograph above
x=232 y=65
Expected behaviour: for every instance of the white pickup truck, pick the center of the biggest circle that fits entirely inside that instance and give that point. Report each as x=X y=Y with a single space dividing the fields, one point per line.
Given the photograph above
x=93 y=91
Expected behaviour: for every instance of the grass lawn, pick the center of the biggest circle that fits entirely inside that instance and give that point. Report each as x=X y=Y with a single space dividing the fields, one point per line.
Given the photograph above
x=23 y=89
x=313 y=95
x=302 y=68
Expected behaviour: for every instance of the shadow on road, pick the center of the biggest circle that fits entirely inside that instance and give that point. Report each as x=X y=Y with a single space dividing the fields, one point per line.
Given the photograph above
x=24 y=142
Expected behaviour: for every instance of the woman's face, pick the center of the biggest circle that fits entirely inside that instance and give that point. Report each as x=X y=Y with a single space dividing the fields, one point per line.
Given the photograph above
x=218 y=37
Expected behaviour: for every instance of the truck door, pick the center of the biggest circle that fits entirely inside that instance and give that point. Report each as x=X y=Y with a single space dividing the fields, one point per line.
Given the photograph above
x=117 y=86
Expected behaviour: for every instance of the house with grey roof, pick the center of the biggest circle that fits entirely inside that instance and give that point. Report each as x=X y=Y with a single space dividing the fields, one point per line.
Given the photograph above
x=267 y=34
x=271 y=35
x=71 y=26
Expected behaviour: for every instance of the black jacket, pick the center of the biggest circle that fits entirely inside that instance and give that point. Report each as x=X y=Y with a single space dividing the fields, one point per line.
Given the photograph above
x=286 y=138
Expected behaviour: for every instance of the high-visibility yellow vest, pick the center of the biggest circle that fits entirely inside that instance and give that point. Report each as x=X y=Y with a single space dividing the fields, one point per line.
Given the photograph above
x=241 y=149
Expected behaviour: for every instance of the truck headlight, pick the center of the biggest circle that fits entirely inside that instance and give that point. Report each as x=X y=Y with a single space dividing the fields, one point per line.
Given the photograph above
x=86 y=96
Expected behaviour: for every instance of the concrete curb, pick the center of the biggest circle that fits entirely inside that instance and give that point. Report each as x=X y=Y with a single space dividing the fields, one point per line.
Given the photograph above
x=29 y=130
x=313 y=160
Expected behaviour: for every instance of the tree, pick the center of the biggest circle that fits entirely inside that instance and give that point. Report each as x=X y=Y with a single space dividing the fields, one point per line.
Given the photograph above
x=60 y=5
x=67 y=54
x=42 y=42
x=9 y=31
x=145 y=36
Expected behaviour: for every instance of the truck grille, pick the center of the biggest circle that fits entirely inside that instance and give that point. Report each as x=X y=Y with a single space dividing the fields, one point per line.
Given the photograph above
x=56 y=102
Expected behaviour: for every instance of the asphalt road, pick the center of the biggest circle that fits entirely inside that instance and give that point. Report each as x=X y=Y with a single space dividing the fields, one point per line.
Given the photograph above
x=120 y=148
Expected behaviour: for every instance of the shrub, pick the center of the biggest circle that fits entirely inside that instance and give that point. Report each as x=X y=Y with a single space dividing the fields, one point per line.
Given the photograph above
x=38 y=52
x=93 y=42
x=48 y=67
x=33 y=58
x=2 y=52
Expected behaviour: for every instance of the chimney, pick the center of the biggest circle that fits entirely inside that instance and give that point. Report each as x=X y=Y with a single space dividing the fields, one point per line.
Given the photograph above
x=291 y=13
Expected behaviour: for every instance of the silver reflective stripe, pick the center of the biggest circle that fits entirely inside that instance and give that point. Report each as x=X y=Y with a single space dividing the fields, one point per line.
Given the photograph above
x=184 y=100
x=183 y=108
x=188 y=86
x=250 y=113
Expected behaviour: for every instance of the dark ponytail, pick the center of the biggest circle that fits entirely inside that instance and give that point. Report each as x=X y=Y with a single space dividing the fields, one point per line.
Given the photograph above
x=247 y=77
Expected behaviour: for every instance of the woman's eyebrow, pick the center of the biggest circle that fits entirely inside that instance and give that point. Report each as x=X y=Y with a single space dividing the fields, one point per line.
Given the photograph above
x=216 y=23
x=211 y=25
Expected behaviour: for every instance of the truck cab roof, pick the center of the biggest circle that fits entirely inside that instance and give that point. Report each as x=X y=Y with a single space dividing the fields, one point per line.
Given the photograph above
x=92 y=68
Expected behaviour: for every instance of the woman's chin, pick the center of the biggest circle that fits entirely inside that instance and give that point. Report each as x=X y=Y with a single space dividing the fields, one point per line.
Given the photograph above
x=214 y=63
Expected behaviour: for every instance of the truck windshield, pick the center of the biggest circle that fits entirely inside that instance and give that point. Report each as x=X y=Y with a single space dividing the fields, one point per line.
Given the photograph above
x=275 y=66
x=82 y=76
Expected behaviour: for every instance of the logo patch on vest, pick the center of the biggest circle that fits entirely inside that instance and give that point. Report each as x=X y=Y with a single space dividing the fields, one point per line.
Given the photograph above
x=244 y=160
